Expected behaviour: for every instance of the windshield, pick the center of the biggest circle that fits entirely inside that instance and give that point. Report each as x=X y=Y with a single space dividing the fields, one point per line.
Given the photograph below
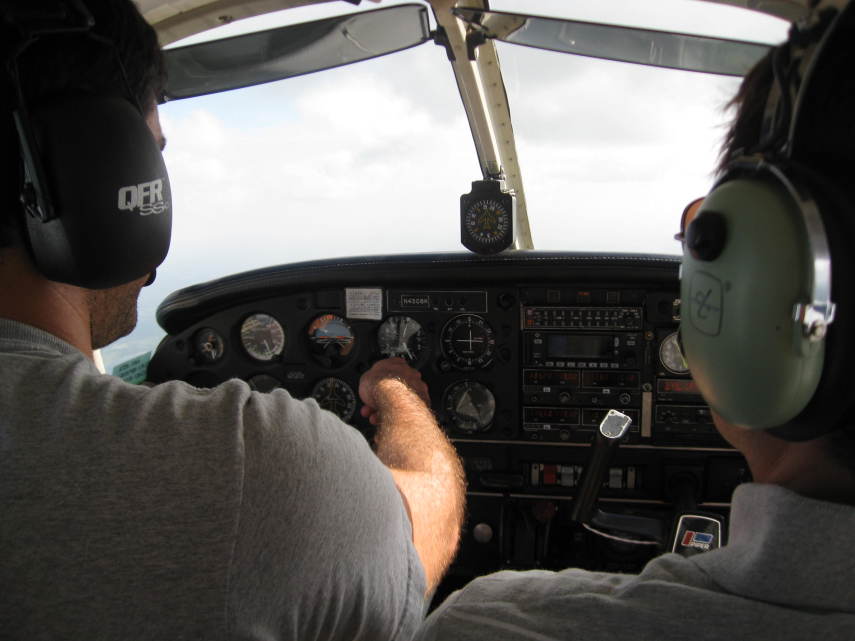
x=372 y=158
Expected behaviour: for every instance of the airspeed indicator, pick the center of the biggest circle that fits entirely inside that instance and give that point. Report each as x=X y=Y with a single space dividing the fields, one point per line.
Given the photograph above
x=263 y=337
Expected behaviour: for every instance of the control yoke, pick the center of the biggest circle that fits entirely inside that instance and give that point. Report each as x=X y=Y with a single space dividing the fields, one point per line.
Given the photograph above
x=613 y=427
x=691 y=533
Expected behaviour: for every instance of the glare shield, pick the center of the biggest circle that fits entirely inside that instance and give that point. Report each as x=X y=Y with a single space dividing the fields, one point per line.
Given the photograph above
x=625 y=44
x=294 y=50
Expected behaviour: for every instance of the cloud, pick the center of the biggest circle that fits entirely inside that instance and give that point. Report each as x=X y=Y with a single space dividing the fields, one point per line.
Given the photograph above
x=355 y=161
x=372 y=158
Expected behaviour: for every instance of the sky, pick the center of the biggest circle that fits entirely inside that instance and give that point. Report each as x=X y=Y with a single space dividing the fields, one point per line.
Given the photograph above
x=372 y=158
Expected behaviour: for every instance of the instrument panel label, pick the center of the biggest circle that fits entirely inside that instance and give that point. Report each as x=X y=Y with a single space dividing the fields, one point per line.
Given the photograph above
x=454 y=301
x=364 y=303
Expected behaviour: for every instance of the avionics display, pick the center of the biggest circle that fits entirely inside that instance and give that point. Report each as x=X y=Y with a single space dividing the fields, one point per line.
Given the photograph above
x=551 y=415
x=550 y=378
x=677 y=387
x=576 y=346
x=570 y=350
x=610 y=379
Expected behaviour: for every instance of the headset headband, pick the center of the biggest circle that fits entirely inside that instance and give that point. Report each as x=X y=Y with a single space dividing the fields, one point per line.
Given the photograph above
x=792 y=66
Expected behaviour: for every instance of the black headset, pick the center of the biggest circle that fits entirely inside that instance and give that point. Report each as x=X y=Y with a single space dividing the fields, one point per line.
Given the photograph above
x=768 y=321
x=95 y=194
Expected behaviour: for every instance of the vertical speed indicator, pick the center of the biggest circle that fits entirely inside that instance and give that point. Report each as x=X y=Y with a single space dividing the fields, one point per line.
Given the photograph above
x=468 y=342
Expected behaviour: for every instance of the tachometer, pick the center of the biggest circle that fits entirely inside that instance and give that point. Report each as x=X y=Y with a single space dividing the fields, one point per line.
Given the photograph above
x=402 y=336
x=671 y=356
x=468 y=342
x=331 y=339
x=470 y=406
x=335 y=395
x=263 y=337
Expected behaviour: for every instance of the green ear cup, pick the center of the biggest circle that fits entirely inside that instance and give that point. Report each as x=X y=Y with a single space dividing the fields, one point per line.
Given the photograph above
x=745 y=351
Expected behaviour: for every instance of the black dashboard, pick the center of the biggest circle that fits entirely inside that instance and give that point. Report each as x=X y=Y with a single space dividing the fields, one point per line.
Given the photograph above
x=523 y=353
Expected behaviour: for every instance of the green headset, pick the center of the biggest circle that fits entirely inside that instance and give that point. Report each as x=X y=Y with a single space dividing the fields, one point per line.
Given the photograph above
x=765 y=280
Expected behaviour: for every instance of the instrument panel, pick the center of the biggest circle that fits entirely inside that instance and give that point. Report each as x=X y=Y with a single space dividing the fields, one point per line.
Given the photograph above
x=523 y=356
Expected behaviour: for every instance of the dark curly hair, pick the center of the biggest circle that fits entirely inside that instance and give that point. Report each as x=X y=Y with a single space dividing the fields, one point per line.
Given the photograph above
x=71 y=63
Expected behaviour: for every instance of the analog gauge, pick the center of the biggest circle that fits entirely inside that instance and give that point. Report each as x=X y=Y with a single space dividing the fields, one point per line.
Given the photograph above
x=468 y=342
x=401 y=336
x=208 y=345
x=264 y=383
x=335 y=395
x=470 y=406
x=332 y=339
x=671 y=355
x=488 y=222
x=263 y=337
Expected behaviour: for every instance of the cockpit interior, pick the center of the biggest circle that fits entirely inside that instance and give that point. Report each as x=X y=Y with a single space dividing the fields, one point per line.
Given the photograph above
x=528 y=347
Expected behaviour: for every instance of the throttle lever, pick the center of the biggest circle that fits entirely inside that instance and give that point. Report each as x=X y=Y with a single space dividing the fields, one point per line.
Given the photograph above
x=613 y=428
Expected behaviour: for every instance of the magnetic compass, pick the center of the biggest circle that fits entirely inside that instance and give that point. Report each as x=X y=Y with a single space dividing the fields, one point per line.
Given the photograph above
x=487 y=217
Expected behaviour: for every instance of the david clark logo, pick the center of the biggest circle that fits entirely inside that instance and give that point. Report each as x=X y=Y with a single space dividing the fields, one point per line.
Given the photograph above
x=698 y=540
x=145 y=197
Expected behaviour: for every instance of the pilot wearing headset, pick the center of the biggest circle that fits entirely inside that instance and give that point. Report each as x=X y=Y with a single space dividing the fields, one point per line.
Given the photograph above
x=172 y=512
x=768 y=330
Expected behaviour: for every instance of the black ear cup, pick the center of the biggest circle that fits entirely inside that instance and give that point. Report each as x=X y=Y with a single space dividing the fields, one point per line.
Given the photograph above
x=109 y=192
x=706 y=236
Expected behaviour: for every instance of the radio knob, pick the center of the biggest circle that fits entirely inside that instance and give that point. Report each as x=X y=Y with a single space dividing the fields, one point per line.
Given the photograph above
x=564 y=398
x=624 y=398
x=482 y=533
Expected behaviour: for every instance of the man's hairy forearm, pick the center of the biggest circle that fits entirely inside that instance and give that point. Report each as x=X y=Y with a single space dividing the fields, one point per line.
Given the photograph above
x=408 y=437
x=427 y=470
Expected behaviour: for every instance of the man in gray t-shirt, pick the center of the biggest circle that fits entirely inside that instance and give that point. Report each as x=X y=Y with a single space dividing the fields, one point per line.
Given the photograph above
x=172 y=512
